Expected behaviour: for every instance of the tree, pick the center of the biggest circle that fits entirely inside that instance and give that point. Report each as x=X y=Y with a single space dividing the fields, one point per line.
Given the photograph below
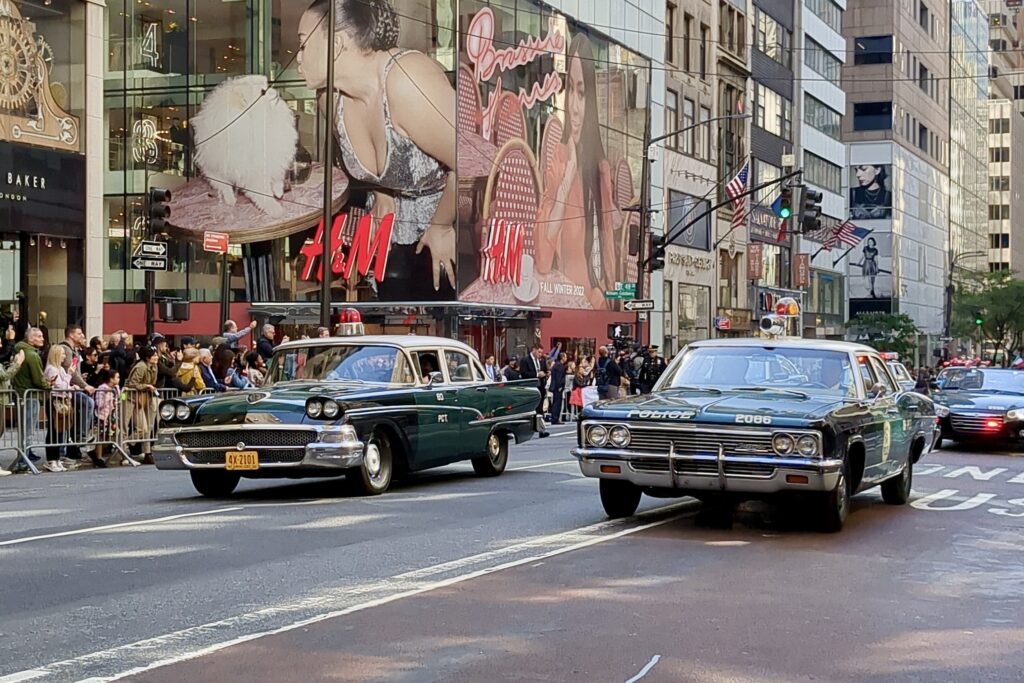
x=887 y=332
x=990 y=308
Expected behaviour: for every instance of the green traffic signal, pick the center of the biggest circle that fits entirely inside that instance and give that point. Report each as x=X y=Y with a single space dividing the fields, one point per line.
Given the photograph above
x=783 y=204
x=979 y=321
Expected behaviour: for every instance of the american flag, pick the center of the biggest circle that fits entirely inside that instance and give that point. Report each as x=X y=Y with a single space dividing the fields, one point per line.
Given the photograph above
x=736 y=187
x=849 y=234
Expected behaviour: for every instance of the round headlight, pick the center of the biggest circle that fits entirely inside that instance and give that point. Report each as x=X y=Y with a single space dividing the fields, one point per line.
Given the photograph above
x=783 y=444
x=619 y=436
x=807 y=446
x=182 y=411
x=166 y=411
x=597 y=436
x=331 y=409
x=314 y=409
x=1012 y=415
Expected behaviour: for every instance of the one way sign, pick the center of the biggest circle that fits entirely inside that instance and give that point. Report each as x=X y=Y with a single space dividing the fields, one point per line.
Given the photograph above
x=142 y=263
x=639 y=305
x=150 y=255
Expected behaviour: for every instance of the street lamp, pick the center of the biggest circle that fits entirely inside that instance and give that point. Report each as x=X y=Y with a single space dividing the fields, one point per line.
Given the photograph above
x=954 y=259
x=645 y=201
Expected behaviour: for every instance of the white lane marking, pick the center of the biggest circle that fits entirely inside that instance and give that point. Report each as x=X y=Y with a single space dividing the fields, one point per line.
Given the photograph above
x=646 y=670
x=21 y=676
x=727 y=544
x=108 y=527
x=394 y=590
x=553 y=463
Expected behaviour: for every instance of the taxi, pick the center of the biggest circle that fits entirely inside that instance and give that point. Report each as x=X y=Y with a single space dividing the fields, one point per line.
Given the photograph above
x=737 y=419
x=367 y=407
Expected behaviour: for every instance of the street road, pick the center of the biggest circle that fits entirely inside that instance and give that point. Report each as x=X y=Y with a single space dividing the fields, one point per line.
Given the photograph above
x=127 y=574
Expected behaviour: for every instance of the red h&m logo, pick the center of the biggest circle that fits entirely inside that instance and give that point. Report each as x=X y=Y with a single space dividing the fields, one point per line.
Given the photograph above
x=367 y=248
x=503 y=253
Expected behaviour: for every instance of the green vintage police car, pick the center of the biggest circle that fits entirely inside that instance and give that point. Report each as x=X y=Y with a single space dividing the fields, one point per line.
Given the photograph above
x=368 y=407
x=748 y=418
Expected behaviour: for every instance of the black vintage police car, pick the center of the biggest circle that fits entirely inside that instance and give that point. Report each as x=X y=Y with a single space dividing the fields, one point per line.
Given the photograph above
x=983 y=404
x=748 y=418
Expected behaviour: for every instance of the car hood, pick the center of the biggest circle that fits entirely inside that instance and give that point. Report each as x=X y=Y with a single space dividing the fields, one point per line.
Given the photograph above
x=978 y=401
x=782 y=408
x=283 y=403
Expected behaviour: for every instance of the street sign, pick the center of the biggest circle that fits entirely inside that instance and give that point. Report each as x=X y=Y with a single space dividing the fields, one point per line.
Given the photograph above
x=641 y=316
x=621 y=296
x=639 y=305
x=151 y=248
x=215 y=242
x=625 y=287
x=723 y=323
x=155 y=263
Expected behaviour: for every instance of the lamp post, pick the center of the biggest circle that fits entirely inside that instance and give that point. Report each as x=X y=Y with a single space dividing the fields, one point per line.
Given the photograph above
x=954 y=259
x=645 y=201
x=328 y=207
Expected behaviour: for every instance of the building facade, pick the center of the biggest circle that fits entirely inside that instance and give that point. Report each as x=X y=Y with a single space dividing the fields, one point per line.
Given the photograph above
x=501 y=224
x=49 y=253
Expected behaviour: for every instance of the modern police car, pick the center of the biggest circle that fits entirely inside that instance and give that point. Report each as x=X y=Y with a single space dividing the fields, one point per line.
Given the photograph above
x=368 y=407
x=983 y=404
x=748 y=418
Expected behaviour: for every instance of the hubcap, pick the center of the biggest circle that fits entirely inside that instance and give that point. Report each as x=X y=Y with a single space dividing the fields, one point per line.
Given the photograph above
x=372 y=460
x=494 y=446
x=843 y=497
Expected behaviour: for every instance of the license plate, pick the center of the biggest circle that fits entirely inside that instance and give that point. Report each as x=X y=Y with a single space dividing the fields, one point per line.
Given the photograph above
x=242 y=460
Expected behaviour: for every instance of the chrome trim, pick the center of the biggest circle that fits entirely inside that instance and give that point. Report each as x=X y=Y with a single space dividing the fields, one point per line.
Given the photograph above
x=815 y=464
x=518 y=417
x=721 y=467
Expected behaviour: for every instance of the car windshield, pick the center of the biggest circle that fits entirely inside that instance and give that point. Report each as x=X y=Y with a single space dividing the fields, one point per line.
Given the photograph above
x=975 y=379
x=808 y=371
x=373 y=364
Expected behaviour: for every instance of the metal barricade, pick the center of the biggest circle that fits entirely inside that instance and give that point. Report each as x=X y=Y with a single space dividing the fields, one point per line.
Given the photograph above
x=65 y=422
x=142 y=416
x=11 y=443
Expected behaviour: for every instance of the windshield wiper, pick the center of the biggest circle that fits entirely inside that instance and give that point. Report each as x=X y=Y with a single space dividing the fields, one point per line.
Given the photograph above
x=688 y=388
x=791 y=392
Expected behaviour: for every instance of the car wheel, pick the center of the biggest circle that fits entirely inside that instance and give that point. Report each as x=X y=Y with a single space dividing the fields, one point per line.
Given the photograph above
x=495 y=459
x=619 y=498
x=896 y=491
x=835 y=504
x=214 y=483
x=373 y=477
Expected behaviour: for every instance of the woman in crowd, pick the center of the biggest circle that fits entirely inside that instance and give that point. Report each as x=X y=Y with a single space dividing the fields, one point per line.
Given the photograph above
x=59 y=416
x=189 y=373
x=108 y=399
x=142 y=382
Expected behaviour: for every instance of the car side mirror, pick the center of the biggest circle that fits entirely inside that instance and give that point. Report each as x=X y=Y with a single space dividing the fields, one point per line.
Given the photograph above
x=435 y=378
x=877 y=392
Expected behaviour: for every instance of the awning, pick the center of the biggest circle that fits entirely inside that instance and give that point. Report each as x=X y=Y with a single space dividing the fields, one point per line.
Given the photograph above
x=308 y=313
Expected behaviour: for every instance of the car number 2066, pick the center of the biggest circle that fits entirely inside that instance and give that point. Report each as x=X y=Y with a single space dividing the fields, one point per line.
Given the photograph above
x=754 y=419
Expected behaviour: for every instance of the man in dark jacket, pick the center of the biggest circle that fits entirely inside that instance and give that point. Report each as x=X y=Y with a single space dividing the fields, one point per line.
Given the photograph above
x=167 y=368
x=511 y=370
x=265 y=346
x=535 y=366
x=608 y=375
x=558 y=387
x=651 y=370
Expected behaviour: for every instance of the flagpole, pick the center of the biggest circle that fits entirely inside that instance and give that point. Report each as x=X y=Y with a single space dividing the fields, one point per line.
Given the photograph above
x=847 y=252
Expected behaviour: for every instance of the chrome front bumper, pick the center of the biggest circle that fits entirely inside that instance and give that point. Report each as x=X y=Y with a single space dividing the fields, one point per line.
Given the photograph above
x=822 y=474
x=334 y=449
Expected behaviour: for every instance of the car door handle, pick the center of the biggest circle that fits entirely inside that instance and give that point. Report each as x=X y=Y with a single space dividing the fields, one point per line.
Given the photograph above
x=892 y=411
x=481 y=388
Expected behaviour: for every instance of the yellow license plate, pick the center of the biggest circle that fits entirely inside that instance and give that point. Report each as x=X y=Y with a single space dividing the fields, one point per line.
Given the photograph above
x=242 y=460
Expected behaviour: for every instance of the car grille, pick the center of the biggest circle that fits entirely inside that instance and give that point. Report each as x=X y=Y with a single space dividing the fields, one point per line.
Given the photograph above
x=702 y=467
x=700 y=442
x=975 y=422
x=252 y=438
x=284 y=455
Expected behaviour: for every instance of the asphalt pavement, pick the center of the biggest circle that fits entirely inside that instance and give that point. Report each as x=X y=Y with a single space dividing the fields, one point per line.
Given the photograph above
x=128 y=574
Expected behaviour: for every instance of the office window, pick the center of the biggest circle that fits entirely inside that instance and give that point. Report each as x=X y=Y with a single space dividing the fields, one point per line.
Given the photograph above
x=688 y=121
x=702 y=58
x=773 y=113
x=924 y=17
x=763 y=173
x=872 y=50
x=773 y=39
x=922 y=137
x=732 y=29
x=997 y=126
x=1000 y=241
x=827 y=11
x=821 y=61
x=1018 y=92
x=824 y=174
x=704 y=135
x=670 y=33
x=671 y=117
x=820 y=116
x=923 y=78
x=687 y=41
x=998 y=212
x=998 y=154
x=999 y=183
x=998 y=267
x=872 y=115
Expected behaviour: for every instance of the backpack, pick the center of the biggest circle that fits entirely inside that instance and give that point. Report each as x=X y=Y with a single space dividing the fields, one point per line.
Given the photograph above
x=601 y=373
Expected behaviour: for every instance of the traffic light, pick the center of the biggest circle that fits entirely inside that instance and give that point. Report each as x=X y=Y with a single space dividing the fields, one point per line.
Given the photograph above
x=979 y=318
x=159 y=211
x=783 y=204
x=810 y=210
x=657 y=260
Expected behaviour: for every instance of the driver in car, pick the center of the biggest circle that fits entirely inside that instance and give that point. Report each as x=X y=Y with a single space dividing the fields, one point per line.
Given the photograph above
x=833 y=375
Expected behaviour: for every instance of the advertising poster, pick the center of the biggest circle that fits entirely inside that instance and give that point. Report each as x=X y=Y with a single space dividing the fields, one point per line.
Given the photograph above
x=258 y=171
x=871 y=192
x=551 y=123
x=871 y=267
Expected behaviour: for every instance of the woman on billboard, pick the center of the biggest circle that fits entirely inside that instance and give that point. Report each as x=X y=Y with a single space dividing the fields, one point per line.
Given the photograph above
x=394 y=117
x=575 y=233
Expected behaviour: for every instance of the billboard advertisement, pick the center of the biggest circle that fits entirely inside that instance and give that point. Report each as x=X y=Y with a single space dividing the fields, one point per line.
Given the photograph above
x=871 y=192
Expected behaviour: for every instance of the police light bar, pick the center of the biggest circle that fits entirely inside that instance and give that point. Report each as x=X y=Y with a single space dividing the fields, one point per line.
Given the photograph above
x=350 y=323
x=889 y=355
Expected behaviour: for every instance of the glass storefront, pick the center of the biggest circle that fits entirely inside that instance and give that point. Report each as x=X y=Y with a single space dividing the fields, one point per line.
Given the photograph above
x=693 y=313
